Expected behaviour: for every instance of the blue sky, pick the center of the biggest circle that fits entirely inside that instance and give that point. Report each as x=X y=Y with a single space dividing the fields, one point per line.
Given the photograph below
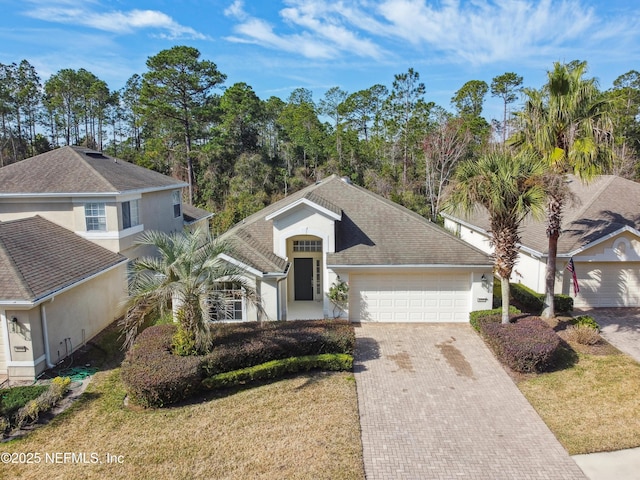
x=277 y=46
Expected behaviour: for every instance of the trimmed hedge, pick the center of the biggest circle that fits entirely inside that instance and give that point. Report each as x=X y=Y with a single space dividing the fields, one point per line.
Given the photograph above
x=475 y=318
x=277 y=368
x=528 y=345
x=534 y=302
x=278 y=340
x=154 y=376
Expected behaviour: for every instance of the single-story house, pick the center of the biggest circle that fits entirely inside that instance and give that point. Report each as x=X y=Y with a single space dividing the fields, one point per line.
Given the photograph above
x=601 y=232
x=399 y=266
x=57 y=291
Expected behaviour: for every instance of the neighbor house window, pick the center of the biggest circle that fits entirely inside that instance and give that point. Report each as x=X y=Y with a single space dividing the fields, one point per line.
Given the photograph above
x=227 y=303
x=95 y=216
x=130 y=215
x=307 y=245
x=177 y=210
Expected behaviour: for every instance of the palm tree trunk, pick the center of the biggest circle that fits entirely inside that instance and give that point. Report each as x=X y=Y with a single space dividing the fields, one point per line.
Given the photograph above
x=553 y=233
x=504 y=287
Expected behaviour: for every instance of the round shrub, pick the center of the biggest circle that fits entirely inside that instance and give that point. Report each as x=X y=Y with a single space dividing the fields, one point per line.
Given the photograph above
x=528 y=345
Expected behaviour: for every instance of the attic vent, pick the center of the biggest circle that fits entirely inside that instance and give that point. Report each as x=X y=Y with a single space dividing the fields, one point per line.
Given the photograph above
x=346 y=180
x=96 y=155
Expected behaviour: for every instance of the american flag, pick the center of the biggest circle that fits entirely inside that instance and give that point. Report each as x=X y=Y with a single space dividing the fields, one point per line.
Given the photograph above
x=572 y=268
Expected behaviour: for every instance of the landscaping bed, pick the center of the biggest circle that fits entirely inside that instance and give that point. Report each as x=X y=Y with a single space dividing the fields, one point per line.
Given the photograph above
x=155 y=376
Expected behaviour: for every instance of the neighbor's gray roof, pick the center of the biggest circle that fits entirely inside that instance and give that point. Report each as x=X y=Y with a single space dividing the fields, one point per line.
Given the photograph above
x=38 y=258
x=597 y=209
x=191 y=214
x=372 y=231
x=79 y=170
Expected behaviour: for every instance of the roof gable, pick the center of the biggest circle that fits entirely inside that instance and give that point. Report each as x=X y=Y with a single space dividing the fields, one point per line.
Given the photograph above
x=371 y=231
x=38 y=258
x=594 y=211
x=77 y=170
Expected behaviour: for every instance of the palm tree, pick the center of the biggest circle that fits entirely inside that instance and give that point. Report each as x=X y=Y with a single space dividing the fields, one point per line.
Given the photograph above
x=509 y=187
x=185 y=278
x=566 y=124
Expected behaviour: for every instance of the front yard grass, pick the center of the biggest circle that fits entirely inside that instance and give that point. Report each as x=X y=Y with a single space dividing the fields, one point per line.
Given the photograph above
x=303 y=427
x=591 y=404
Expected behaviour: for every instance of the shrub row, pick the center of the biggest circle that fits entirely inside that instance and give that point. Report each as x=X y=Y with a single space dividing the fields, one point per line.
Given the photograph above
x=475 y=318
x=242 y=348
x=278 y=368
x=528 y=345
x=534 y=302
x=155 y=376
x=22 y=405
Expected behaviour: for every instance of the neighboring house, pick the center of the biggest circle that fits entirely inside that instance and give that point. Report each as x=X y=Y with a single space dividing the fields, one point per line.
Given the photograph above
x=57 y=290
x=600 y=232
x=399 y=266
x=69 y=219
x=101 y=198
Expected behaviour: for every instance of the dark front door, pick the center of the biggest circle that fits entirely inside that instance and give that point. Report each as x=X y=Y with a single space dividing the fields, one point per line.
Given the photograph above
x=303 y=274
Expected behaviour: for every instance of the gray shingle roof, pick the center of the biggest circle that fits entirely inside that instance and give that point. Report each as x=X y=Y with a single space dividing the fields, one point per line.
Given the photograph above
x=192 y=214
x=38 y=258
x=373 y=231
x=598 y=208
x=79 y=170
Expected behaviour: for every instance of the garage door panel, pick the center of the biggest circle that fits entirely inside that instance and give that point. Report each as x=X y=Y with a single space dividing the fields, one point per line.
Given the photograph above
x=613 y=284
x=410 y=297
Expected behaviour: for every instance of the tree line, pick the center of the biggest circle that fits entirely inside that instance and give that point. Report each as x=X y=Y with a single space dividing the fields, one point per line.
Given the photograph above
x=239 y=153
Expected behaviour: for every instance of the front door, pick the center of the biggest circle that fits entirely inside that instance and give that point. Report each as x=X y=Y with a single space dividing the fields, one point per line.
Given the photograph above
x=303 y=278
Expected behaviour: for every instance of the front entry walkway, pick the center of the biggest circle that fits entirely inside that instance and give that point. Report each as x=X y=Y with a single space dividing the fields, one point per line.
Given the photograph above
x=435 y=404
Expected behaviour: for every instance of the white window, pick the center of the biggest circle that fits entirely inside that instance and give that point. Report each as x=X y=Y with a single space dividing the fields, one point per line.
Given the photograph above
x=228 y=303
x=177 y=210
x=130 y=215
x=95 y=216
x=307 y=245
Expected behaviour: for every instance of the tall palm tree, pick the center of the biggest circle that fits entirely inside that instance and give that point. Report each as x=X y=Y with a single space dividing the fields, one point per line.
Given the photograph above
x=509 y=187
x=567 y=124
x=185 y=278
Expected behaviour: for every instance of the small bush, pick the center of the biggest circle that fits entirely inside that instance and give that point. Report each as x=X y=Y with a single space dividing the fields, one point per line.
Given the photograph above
x=587 y=321
x=278 y=368
x=182 y=343
x=153 y=375
x=528 y=345
x=534 y=302
x=582 y=334
x=489 y=316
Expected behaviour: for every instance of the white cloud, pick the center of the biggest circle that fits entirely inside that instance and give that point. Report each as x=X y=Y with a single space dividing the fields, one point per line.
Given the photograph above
x=474 y=31
x=87 y=14
x=321 y=30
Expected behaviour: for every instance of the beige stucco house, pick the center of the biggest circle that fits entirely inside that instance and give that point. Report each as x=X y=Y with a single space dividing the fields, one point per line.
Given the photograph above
x=399 y=266
x=69 y=219
x=601 y=232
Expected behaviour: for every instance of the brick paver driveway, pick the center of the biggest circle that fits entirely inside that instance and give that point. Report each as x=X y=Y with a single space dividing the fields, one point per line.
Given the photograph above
x=435 y=404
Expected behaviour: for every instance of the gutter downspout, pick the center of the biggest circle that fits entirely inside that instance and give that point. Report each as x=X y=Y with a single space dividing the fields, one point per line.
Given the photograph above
x=45 y=333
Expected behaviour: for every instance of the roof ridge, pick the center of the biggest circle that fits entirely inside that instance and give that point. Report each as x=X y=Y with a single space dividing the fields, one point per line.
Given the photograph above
x=81 y=153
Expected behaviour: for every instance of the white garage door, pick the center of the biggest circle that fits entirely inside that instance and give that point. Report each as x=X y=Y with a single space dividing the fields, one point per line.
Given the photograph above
x=615 y=284
x=415 y=297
